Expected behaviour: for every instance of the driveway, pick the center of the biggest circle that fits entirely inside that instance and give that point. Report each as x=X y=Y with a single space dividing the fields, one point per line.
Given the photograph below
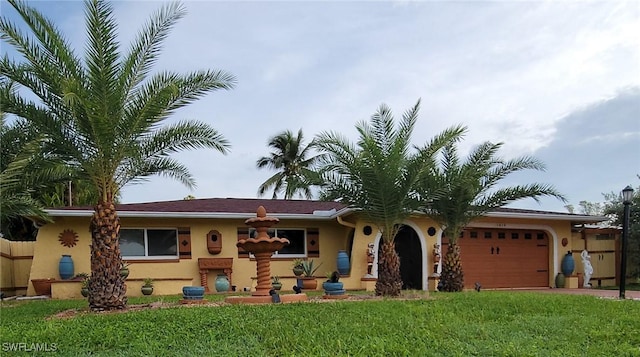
x=629 y=294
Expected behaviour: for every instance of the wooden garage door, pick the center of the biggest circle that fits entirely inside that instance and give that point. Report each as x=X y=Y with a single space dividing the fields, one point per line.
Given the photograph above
x=505 y=258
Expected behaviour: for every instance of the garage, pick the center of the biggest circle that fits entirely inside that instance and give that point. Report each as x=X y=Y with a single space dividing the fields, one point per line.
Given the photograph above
x=499 y=258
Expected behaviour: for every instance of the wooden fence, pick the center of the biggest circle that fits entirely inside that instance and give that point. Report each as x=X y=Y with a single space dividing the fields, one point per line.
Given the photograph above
x=15 y=266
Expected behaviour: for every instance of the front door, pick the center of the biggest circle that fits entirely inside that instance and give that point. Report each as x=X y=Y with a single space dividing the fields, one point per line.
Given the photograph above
x=409 y=249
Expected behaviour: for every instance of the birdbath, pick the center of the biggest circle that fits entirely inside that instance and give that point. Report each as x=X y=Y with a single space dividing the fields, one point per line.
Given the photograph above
x=262 y=247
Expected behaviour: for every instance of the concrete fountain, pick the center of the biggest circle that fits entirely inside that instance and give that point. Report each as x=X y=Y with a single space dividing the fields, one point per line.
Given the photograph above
x=262 y=248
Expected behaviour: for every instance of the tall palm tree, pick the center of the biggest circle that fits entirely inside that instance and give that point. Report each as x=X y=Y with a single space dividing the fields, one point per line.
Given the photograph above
x=297 y=169
x=102 y=114
x=377 y=176
x=454 y=193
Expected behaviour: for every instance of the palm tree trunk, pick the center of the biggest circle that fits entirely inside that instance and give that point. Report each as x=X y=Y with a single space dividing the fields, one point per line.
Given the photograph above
x=389 y=280
x=452 y=277
x=107 y=290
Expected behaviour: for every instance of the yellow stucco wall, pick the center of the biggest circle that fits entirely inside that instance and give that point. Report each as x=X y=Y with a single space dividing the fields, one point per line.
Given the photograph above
x=334 y=236
x=556 y=229
x=48 y=251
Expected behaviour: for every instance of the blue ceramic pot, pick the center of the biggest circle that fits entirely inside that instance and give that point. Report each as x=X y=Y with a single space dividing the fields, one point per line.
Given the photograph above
x=222 y=283
x=333 y=288
x=193 y=292
x=343 y=263
x=568 y=264
x=65 y=267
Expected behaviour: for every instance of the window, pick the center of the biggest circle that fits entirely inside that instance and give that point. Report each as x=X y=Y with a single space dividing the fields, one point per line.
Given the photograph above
x=157 y=243
x=487 y=235
x=297 y=241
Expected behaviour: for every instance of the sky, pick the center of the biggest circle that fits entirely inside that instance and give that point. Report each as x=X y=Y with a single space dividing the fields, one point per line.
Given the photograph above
x=559 y=81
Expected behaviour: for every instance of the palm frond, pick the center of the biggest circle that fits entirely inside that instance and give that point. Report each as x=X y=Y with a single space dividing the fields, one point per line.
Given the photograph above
x=144 y=51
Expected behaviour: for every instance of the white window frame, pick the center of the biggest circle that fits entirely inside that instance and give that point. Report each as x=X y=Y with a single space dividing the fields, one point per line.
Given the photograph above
x=276 y=254
x=146 y=255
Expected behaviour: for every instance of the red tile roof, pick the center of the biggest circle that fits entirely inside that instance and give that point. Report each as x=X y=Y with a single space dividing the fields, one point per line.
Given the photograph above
x=247 y=206
x=225 y=205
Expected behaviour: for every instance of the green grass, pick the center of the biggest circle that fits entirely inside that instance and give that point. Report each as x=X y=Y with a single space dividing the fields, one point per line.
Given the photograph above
x=490 y=323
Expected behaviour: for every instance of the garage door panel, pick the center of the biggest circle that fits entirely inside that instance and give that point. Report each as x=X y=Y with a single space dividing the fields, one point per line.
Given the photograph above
x=505 y=258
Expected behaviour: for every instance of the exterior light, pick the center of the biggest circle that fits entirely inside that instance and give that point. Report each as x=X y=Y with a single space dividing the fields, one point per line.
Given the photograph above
x=627 y=194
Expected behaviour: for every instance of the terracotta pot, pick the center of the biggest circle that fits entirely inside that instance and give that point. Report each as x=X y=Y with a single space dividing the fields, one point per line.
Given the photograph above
x=42 y=286
x=309 y=283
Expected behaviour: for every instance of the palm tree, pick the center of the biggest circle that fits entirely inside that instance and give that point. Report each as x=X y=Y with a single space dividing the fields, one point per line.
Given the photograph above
x=296 y=169
x=17 y=205
x=102 y=114
x=454 y=193
x=26 y=173
x=377 y=176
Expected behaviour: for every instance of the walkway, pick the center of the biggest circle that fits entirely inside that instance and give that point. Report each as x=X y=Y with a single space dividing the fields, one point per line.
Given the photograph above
x=629 y=294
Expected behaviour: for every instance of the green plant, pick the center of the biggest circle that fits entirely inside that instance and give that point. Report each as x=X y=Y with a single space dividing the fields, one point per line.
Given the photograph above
x=333 y=276
x=85 y=283
x=105 y=112
x=81 y=276
x=148 y=282
x=308 y=267
x=275 y=279
x=297 y=263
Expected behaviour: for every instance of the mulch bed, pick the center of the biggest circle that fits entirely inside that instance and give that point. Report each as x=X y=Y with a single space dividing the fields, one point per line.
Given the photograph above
x=71 y=313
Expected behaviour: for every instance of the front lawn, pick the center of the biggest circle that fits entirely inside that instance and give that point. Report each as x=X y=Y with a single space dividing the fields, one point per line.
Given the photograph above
x=490 y=323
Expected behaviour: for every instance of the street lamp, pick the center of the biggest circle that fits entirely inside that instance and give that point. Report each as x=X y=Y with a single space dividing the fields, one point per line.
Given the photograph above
x=627 y=195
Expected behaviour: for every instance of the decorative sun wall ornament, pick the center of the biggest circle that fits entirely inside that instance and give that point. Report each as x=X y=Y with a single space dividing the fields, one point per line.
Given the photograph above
x=68 y=238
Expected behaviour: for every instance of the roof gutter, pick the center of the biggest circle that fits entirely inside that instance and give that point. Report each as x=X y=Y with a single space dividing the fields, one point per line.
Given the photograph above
x=317 y=215
x=551 y=216
x=345 y=223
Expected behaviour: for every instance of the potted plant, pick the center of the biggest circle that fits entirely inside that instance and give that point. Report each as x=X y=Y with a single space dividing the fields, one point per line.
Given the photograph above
x=124 y=270
x=333 y=286
x=275 y=283
x=308 y=281
x=297 y=267
x=84 y=288
x=147 y=286
x=80 y=276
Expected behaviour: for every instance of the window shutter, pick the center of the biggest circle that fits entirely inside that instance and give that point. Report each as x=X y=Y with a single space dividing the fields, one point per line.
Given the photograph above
x=243 y=233
x=313 y=242
x=184 y=242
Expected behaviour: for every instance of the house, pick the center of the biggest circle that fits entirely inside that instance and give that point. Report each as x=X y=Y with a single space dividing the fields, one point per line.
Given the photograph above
x=190 y=242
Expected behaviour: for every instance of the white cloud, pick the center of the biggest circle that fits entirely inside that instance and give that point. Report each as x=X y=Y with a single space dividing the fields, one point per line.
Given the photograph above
x=509 y=70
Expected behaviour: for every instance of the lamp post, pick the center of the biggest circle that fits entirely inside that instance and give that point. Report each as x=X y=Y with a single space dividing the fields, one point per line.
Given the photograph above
x=627 y=195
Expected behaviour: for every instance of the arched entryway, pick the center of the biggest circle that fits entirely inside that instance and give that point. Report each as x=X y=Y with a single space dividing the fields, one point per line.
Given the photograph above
x=409 y=249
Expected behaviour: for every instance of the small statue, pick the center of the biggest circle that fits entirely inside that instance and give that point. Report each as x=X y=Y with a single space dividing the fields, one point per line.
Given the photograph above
x=436 y=258
x=588 y=268
x=370 y=257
